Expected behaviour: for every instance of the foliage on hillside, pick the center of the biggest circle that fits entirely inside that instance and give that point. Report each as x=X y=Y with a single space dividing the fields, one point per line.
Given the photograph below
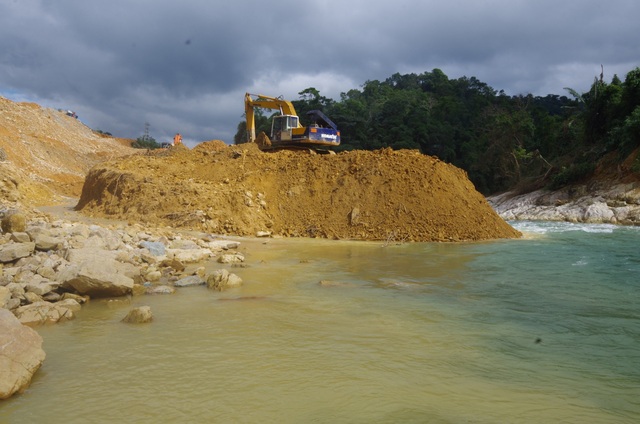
x=145 y=142
x=501 y=141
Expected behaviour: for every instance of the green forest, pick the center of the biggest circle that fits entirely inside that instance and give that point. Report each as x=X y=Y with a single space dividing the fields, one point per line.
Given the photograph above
x=503 y=142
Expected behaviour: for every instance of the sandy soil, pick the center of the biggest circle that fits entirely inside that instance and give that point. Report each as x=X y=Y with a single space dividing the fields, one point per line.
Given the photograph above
x=45 y=154
x=238 y=190
x=381 y=195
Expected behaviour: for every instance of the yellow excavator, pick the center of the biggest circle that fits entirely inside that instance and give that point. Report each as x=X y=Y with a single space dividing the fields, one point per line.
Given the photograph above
x=286 y=130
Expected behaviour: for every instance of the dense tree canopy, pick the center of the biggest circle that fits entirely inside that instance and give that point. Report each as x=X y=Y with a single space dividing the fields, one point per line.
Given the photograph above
x=500 y=140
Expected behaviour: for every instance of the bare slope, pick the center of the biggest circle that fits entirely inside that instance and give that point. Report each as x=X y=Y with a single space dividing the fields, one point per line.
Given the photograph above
x=46 y=154
x=381 y=195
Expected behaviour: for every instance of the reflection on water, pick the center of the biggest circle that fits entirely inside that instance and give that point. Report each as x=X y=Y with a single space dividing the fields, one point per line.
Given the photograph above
x=482 y=333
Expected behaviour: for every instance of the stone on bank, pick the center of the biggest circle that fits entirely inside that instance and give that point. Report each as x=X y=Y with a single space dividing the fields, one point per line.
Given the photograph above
x=21 y=354
x=50 y=268
x=139 y=315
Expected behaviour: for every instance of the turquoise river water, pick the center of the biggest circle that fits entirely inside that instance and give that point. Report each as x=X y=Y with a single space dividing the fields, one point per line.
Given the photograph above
x=545 y=329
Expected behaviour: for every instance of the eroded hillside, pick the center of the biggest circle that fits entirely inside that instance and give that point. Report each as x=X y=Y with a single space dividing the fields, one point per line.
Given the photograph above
x=46 y=154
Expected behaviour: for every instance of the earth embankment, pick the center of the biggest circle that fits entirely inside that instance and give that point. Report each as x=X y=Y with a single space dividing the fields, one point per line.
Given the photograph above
x=381 y=195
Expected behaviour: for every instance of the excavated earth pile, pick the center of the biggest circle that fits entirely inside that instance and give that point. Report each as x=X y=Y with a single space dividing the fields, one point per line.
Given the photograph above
x=381 y=195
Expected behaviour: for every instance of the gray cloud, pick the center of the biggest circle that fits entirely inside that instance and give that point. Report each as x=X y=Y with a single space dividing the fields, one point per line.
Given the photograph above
x=184 y=66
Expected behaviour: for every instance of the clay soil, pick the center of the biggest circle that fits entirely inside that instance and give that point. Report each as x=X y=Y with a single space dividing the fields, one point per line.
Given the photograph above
x=381 y=195
x=45 y=154
x=48 y=158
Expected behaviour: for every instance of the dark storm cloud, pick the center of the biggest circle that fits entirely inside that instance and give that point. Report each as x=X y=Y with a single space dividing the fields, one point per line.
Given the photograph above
x=184 y=66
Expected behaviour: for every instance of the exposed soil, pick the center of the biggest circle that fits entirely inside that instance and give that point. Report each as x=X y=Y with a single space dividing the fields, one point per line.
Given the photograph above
x=238 y=190
x=45 y=154
x=381 y=195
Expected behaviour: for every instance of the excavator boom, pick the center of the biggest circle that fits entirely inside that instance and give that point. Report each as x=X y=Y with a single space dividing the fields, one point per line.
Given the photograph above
x=266 y=102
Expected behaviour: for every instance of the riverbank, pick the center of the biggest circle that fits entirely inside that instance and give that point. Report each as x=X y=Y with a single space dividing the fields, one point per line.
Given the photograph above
x=51 y=267
x=597 y=202
x=417 y=332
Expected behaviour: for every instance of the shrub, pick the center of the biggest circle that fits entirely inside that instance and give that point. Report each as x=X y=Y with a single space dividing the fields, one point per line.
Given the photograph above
x=145 y=143
x=571 y=174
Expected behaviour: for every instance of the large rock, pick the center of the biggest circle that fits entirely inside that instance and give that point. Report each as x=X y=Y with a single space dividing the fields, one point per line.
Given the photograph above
x=41 y=288
x=20 y=237
x=139 y=315
x=599 y=212
x=231 y=258
x=189 y=255
x=45 y=242
x=97 y=282
x=191 y=280
x=154 y=247
x=218 y=245
x=164 y=289
x=97 y=274
x=11 y=251
x=221 y=280
x=41 y=312
x=21 y=354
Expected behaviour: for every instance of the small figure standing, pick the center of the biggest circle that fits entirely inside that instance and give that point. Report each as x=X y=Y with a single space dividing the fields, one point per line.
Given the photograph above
x=177 y=139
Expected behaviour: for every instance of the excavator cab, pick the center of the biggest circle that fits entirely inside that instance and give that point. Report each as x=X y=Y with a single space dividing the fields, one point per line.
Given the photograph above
x=282 y=127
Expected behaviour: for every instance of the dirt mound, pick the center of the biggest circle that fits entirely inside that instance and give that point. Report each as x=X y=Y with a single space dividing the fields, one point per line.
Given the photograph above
x=211 y=146
x=45 y=154
x=381 y=195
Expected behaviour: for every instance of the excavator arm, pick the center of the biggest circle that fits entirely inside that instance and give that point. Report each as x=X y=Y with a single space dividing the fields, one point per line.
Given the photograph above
x=251 y=101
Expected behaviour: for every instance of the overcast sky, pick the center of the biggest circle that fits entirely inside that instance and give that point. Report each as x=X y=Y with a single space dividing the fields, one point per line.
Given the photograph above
x=184 y=66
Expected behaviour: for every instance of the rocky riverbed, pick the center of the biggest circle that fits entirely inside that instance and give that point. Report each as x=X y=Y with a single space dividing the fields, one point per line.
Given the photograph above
x=50 y=268
x=617 y=203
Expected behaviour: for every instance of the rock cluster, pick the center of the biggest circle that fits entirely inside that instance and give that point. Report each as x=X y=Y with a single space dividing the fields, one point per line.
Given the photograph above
x=49 y=269
x=616 y=204
x=52 y=268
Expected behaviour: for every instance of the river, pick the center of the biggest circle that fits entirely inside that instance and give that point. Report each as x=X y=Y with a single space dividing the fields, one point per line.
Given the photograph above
x=545 y=329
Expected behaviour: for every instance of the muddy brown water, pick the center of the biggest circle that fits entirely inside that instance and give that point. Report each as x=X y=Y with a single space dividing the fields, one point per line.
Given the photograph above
x=398 y=333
